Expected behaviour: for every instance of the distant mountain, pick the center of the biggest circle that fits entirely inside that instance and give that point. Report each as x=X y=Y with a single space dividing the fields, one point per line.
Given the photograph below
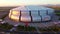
x=51 y=5
x=55 y=6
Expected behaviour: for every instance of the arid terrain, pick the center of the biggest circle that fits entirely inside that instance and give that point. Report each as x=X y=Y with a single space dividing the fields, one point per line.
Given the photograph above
x=4 y=11
x=54 y=7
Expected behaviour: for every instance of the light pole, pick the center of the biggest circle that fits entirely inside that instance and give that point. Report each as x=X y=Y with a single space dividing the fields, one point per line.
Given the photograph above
x=26 y=26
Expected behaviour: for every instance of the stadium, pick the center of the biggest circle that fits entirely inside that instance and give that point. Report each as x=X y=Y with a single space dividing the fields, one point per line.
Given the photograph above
x=31 y=13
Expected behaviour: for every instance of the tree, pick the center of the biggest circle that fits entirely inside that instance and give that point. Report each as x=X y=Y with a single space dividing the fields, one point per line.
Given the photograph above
x=6 y=26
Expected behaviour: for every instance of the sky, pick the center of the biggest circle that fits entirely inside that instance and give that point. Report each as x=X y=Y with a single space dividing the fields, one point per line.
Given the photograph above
x=27 y=2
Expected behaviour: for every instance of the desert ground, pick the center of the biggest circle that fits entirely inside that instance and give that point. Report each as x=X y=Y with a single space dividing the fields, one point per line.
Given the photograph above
x=4 y=11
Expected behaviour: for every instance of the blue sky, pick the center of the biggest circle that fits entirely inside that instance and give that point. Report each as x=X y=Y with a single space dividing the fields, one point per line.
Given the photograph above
x=27 y=2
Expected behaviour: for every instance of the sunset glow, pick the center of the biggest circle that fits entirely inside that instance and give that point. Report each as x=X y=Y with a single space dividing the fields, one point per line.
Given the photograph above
x=27 y=2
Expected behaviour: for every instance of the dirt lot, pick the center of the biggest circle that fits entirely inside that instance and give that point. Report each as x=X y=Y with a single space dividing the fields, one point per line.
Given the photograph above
x=4 y=11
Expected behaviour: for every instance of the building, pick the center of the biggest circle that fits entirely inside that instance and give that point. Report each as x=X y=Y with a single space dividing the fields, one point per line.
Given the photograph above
x=31 y=13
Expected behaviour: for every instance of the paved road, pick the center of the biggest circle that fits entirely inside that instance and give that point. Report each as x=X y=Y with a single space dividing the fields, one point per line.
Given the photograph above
x=41 y=24
x=45 y=24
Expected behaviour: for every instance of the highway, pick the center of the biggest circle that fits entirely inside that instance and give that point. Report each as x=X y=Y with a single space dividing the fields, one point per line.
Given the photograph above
x=41 y=24
x=54 y=21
